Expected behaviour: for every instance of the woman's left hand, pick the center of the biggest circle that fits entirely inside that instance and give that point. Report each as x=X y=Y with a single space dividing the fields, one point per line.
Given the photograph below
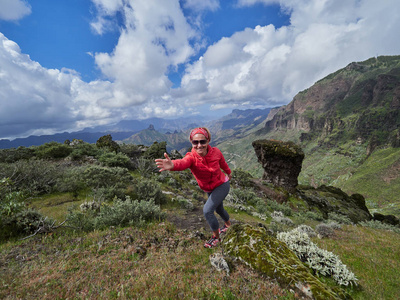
x=230 y=177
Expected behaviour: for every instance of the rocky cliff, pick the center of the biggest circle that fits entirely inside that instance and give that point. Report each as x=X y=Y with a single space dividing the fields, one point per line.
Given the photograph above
x=359 y=102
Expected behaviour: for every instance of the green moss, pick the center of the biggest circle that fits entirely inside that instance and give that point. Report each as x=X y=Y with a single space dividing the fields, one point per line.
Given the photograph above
x=273 y=147
x=272 y=257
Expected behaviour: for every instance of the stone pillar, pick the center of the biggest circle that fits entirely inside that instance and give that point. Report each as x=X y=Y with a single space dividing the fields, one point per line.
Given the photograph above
x=281 y=162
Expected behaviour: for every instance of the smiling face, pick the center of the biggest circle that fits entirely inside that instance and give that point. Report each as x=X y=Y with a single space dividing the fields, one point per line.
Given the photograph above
x=200 y=144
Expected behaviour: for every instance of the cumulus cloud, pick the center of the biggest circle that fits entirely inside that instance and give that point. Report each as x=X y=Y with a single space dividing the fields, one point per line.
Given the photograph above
x=155 y=39
x=272 y=64
x=30 y=94
x=261 y=66
x=12 y=10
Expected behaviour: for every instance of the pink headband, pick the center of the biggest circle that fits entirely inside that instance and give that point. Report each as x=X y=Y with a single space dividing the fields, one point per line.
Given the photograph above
x=199 y=131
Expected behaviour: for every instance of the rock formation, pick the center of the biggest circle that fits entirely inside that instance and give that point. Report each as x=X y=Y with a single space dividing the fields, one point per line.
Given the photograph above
x=268 y=255
x=329 y=199
x=281 y=162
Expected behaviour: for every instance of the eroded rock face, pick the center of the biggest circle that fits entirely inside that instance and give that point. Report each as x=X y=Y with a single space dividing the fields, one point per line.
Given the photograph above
x=265 y=253
x=281 y=162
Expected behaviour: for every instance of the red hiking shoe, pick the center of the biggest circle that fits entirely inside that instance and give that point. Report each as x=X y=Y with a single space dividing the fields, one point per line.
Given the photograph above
x=214 y=241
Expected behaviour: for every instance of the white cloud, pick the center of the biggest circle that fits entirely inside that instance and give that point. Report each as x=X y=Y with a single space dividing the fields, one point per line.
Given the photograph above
x=156 y=38
x=258 y=66
x=201 y=5
x=272 y=65
x=12 y=10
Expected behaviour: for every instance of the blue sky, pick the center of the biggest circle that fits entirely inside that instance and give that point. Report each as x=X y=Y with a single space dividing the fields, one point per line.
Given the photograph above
x=70 y=64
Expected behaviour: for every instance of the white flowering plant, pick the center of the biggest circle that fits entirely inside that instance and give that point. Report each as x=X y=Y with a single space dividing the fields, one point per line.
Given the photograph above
x=321 y=261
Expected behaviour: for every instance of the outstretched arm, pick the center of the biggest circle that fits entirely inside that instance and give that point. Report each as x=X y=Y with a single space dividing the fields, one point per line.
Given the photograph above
x=164 y=164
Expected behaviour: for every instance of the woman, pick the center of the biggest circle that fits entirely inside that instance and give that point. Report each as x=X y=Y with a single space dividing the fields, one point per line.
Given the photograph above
x=205 y=163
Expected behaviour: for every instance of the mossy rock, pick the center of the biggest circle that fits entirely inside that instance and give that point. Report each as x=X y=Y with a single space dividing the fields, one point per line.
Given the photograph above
x=288 y=149
x=263 y=252
x=329 y=199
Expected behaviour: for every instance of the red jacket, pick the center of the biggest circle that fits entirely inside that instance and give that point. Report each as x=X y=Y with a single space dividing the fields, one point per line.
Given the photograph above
x=206 y=169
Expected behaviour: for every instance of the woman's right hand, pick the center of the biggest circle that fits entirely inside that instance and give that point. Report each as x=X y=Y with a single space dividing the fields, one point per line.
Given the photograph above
x=164 y=164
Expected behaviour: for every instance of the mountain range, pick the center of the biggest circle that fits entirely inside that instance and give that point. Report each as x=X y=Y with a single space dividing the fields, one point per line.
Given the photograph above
x=348 y=125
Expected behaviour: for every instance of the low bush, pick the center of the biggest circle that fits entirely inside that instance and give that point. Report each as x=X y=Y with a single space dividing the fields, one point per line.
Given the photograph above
x=241 y=179
x=148 y=189
x=184 y=203
x=243 y=196
x=98 y=176
x=83 y=150
x=119 y=213
x=112 y=159
x=341 y=219
x=325 y=230
x=15 y=218
x=12 y=155
x=279 y=217
x=321 y=261
x=34 y=176
x=311 y=215
x=146 y=167
x=379 y=225
x=52 y=150
x=156 y=150
x=71 y=181
x=275 y=206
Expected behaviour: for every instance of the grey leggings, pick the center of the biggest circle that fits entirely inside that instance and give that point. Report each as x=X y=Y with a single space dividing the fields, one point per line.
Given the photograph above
x=214 y=203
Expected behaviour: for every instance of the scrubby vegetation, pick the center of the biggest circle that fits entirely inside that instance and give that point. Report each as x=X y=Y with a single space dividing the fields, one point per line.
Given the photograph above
x=105 y=215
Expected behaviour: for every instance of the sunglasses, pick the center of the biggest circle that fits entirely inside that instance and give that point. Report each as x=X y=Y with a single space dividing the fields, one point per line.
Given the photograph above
x=201 y=142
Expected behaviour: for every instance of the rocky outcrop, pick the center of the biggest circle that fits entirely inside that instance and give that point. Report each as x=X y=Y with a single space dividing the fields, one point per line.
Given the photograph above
x=268 y=255
x=281 y=162
x=360 y=101
x=387 y=219
x=329 y=199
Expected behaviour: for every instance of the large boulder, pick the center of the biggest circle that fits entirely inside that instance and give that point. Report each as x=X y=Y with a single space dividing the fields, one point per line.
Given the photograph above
x=329 y=199
x=266 y=254
x=281 y=162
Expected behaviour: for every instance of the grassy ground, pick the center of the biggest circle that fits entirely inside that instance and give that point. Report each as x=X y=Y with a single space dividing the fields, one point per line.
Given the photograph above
x=373 y=255
x=164 y=261
x=158 y=262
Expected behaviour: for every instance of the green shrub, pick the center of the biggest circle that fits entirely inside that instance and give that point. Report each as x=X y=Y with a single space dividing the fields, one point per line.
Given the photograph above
x=156 y=150
x=98 y=176
x=325 y=230
x=131 y=150
x=275 y=206
x=119 y=213
x=11 y=203
x=241 y=179
x=82 y=150
x=243 y=196
x=12 y=155
x=71 y=181
x=183 y=202
x=112 y=159
x=80 y=220
x=106 y=142
x=32 y=176
x=53 y=150
x=341 y=219
x=312 y=215
x=279 y=217
x=128 y=212
x=147 y=190
x=146 y=167
x=379 y=225
x=105 y=182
